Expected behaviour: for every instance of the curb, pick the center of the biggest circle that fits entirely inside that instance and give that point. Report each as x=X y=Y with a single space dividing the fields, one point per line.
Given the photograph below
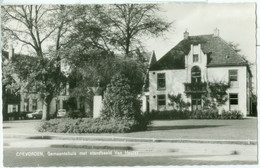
x=128 y=139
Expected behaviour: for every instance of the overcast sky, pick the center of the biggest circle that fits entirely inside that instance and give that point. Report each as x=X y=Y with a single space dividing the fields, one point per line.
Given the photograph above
x=236 y=23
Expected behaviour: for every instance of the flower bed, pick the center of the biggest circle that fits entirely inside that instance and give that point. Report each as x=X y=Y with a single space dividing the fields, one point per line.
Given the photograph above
x=89 y=125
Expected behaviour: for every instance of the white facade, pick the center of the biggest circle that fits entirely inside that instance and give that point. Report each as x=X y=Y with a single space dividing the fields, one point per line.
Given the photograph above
x=175 y=79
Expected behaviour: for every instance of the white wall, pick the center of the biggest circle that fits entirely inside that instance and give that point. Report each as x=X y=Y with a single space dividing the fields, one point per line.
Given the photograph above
x=174 y=84
x=221 y=74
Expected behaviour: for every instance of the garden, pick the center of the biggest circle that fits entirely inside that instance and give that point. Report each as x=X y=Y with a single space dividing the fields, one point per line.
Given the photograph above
x=121 y=112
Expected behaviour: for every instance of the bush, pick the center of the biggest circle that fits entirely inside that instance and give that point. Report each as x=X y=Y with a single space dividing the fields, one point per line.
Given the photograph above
x=122 y=104
x=76 y=114
x=89 y=125
x=204 y=114
x=198 y=114
x=233 y=114
x=119 y=101
x=167 y=115
x=178 y=102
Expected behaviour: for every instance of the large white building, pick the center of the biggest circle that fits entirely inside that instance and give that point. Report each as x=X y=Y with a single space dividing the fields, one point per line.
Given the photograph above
x=199 y=59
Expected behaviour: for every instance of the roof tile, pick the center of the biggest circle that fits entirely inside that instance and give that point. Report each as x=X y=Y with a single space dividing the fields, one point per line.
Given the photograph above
x=218 y=51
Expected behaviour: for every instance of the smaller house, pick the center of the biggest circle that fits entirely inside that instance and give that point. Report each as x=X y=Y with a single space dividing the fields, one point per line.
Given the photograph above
x=29 y=100
x=11 y=101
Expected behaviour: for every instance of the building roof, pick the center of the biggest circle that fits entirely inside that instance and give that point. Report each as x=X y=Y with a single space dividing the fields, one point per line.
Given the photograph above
x=152 y=59
x=218 y=51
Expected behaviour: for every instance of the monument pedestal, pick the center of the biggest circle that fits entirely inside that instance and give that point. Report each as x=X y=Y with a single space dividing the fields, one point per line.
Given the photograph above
x=97 y=106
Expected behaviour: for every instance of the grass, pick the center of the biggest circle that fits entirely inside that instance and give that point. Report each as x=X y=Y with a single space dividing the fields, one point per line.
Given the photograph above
x=201 y=129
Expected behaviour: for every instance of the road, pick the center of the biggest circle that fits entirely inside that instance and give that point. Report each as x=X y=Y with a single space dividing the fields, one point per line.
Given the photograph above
x=33 y=151
x=14 y=157
x=44 y=152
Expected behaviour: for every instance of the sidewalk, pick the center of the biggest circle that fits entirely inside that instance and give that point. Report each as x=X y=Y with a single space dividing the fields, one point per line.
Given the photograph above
x=124 y=139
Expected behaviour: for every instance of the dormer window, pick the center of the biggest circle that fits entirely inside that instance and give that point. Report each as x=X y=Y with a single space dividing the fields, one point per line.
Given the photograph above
x=195 y=58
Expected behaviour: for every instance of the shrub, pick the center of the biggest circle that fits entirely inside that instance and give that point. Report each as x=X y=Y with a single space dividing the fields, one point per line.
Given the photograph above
x=218 y=92
x=122 y=104
x=198 y=114
x=89 y=125
x=167 y=115
x=204 y=114
x=119 y=101
x=177 y=102
x=233 y=114
x=76 y=114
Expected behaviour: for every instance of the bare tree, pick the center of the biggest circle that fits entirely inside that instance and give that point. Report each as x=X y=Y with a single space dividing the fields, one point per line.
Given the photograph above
x=42 y=28
x=35 y=25
x=119 y=27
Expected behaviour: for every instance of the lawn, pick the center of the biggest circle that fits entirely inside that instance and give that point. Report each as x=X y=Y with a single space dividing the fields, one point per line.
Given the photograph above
x=169 y=129
x=201 y=129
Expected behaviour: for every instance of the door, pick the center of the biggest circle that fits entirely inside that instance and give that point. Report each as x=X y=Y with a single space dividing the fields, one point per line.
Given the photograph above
x=196 y=102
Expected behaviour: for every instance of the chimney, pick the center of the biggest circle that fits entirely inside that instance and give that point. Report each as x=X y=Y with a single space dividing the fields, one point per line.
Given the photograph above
x=186 y=35
x=216 y=32
x=11 y=52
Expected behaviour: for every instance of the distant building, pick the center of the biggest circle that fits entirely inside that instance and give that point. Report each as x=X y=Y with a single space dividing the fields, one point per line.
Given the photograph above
x=11 y=101
x=30 y=100
x=199 y=59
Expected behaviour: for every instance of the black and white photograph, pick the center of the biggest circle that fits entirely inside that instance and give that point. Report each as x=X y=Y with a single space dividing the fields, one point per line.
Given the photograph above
x=129 y=84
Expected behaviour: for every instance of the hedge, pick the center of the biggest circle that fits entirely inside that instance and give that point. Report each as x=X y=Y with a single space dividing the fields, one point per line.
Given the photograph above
x=167 y=115
x=198 y=114
x=90 y=125
x=234 y=114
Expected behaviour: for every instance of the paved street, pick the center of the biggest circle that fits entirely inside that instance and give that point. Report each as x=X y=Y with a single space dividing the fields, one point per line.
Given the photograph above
x=13 y=158
x=50 y=151
x=19 y=152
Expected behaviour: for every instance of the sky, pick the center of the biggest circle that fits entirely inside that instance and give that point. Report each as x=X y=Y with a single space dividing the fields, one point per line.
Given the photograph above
x=236 y=22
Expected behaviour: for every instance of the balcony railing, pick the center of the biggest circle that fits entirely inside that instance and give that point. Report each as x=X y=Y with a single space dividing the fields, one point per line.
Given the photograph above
x=195 y=87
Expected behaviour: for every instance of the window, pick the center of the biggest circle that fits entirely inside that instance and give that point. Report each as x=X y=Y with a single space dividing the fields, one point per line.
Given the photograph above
x=195 y=57
x=233 y=78
x=161 y=100
x=161 y=81
x=233 y=101
x=34 y=104
x=195 y=74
